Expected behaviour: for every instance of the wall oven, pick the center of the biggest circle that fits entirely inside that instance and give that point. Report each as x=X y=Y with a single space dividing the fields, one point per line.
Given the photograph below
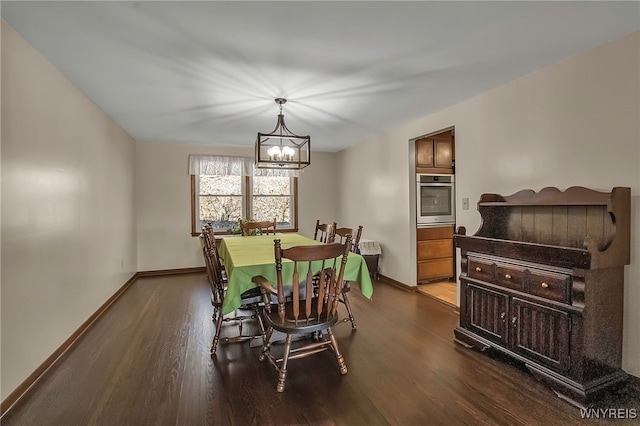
x=435 y=199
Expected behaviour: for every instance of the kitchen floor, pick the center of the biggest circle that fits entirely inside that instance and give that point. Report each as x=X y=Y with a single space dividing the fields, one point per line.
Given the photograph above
x=444 y=291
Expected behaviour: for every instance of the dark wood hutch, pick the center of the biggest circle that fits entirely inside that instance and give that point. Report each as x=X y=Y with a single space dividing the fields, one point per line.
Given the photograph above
x=542 y=280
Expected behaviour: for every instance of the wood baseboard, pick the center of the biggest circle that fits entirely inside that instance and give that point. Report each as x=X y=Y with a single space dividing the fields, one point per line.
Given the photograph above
x=34 y=377
x=198 y=269
x=398 y=284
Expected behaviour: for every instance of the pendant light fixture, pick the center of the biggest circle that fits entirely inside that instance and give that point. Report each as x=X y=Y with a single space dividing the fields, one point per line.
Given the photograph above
x=282 y=149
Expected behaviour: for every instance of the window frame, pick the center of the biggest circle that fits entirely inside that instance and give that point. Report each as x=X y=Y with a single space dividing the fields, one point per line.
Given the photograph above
x=247 y=203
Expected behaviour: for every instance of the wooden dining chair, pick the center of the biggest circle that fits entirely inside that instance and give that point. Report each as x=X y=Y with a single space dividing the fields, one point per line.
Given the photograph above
x=218 y=283
x=217 y=291
x=299 y=314
x=325 y=232
x=258 y=228
x=341 y=237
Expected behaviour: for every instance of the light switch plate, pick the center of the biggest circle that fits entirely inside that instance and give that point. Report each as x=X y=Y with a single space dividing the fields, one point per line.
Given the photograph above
x=465 y=204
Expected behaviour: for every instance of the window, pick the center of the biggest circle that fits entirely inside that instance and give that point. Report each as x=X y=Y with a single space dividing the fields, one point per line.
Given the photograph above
x=271 y=198
x=220 y=200
x=226 y=195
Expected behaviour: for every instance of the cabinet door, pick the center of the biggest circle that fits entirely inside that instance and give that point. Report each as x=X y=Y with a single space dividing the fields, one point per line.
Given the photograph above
x=424 y=153
x=442 y=154
x=486 y=313
x=541 y=333
x=435 y=152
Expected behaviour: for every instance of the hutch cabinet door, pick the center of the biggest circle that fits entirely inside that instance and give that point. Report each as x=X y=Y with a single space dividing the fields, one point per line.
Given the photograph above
x=541 y=333
x=486 y=311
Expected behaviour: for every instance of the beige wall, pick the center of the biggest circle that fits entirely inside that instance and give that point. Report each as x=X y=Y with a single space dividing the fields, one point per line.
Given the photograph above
x=163 y=203
x=68 y=223
x=318 y=191
x=573 y=123
x=376 y=195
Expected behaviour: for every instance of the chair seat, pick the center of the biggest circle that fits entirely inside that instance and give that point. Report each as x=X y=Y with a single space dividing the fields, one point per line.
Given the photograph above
x=287 y=293
x=303 y=325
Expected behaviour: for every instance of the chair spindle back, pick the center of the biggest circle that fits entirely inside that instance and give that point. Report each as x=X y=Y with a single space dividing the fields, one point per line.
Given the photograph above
x=254 y=228
x=325 y=232
x=341 y=236
x=329 y=261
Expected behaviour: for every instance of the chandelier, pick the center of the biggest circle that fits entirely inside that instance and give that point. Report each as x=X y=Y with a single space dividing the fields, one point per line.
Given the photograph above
x=282 y=149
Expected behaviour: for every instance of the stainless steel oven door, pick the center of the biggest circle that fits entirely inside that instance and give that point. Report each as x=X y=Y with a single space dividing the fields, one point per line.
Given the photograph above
x=435 y=202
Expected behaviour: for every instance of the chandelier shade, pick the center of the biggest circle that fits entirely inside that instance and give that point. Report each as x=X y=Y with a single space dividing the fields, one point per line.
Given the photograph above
x=282 y=149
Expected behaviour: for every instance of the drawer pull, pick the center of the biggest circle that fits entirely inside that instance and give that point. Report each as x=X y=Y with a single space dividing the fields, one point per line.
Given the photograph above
x=544 y=285
x=514 y=321
x=503 y=315
x=507 y=276
x=478 y=269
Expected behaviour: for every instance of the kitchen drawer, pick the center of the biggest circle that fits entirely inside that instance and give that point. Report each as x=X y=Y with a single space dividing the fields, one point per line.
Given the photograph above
x=435 y=249
x=550 y=285
x=481 y=270
x=435 y=269
x=510 y=276
x=435 y=233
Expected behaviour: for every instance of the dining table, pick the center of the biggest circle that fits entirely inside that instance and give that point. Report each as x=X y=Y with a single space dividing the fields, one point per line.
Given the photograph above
x=247 y=256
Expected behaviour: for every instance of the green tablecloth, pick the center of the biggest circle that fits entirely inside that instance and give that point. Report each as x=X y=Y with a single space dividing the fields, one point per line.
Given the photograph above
x=245 y=257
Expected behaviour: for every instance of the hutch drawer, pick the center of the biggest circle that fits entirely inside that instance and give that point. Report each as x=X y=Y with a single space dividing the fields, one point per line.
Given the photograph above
x=550 y=285
x=481 y=269
x=510 y=276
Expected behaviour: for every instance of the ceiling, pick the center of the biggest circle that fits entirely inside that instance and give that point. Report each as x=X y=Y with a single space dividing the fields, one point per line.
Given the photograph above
x=207 y=72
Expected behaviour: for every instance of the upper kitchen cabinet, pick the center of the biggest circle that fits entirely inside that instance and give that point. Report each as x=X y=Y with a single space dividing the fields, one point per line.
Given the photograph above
x=435 y=153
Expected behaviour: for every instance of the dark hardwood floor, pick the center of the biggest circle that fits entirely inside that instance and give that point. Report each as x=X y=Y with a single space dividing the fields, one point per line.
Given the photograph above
x=146 y=362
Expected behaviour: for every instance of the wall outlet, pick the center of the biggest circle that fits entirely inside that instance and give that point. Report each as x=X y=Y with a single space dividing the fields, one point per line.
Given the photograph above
x=465 y=204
